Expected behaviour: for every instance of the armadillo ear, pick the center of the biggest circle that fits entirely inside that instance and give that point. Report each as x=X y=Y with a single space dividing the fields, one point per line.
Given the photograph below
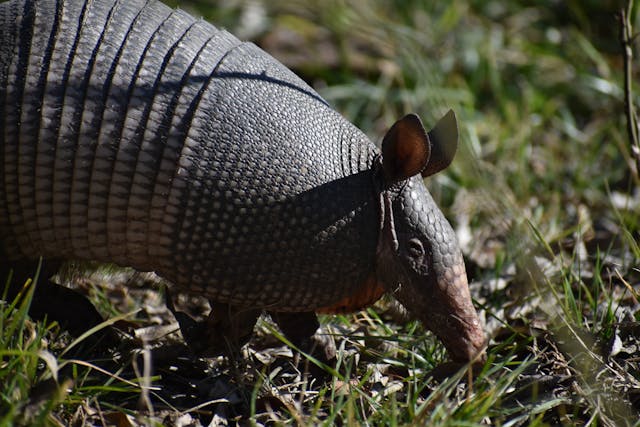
x=444 y=143
x=405 y=149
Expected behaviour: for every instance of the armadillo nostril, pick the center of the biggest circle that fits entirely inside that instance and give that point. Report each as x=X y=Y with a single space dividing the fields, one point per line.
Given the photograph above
x=461 y=333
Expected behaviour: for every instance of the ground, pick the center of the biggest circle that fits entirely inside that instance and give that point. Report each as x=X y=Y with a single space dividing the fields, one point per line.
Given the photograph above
x=543 y=195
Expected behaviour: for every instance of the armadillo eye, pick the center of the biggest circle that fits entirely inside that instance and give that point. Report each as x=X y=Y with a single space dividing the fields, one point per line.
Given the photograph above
x=416 y=250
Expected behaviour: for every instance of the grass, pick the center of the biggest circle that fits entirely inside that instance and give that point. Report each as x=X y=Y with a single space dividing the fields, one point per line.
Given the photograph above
x=541 y=194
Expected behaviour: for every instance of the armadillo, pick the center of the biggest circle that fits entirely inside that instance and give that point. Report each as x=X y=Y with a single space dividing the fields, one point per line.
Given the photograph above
x=135 y=134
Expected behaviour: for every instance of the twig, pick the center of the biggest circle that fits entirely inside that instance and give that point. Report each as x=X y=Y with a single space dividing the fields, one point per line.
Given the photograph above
x=626 y=40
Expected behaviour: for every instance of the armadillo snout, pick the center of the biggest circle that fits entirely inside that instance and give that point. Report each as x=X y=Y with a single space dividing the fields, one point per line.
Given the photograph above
x=455 y=320
x=442 y=301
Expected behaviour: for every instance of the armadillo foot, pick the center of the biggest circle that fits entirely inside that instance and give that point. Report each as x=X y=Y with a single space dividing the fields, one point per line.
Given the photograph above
x=302 y=330
x=225 y=331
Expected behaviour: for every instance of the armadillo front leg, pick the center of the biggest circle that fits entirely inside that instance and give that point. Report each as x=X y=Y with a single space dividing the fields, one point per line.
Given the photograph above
x=225 y=331
x=302 y=330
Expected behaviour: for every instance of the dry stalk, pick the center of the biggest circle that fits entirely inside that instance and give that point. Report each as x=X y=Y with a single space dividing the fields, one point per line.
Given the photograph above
x=626 y=40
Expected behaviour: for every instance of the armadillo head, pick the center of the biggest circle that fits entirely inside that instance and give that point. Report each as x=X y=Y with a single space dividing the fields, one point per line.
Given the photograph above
x=418 y=258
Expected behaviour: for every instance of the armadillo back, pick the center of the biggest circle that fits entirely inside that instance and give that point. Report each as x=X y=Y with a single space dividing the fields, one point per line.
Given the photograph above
x=136 y=134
